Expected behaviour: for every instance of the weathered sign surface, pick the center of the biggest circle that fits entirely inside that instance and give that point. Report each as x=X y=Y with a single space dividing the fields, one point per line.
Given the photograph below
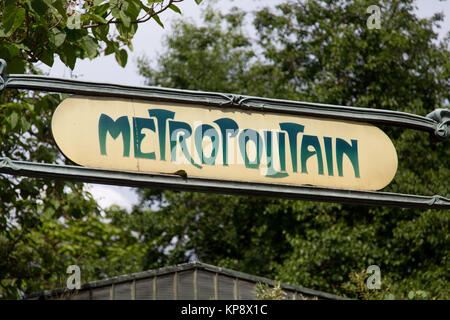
x=223 y=143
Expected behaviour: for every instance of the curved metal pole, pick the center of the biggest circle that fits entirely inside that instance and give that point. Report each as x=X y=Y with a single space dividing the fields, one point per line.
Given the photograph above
x=430 y=123
x=175 y=182
x=437 y=122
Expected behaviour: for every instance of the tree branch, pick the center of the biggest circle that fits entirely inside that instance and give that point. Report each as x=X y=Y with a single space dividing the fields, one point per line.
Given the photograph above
x=148 y=15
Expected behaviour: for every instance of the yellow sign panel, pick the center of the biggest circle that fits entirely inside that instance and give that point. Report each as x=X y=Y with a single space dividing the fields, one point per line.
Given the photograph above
x=223 y=143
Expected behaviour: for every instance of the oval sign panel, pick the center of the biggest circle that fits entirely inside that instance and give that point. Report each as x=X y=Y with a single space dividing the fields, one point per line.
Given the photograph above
x=223 y=143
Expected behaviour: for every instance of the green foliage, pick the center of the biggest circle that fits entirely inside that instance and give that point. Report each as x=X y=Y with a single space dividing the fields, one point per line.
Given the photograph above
x=264 y=292
x=211 y=60
x=37 y=30
x=46 y=225
x=356 y=286
x=319 y=51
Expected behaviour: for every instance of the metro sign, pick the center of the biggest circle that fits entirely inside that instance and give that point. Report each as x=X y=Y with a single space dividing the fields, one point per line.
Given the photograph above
x=223 y=143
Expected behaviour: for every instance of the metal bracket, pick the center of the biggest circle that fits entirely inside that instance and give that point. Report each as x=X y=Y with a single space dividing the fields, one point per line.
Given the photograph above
x=442 y=117
x=3 y=66
x=234 y=101
x=6 y=162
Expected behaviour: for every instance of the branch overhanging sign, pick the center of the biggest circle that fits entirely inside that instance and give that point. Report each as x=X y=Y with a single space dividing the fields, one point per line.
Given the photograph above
x=215 y=142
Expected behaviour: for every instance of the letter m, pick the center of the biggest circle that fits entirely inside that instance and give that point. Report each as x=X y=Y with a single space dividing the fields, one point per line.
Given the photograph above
x=115 y=128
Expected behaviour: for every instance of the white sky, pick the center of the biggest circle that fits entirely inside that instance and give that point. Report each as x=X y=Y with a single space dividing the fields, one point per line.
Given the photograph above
x=148 y=42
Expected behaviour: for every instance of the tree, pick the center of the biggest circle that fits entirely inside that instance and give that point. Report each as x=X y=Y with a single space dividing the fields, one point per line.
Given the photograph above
x=37 y=30
x=47 y=225
x=319 y=51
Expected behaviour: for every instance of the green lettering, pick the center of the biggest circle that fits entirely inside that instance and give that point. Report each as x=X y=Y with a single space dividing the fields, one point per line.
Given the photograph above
x=138 y=125
x=228 y=127
x=176 y=127
x=115 y=128
x=200 y=133
x=162 y=116
x=244 y=137
x=271 y=172
x=293 y=130
x=306 y=154
x=342 y=147
x=329 y=154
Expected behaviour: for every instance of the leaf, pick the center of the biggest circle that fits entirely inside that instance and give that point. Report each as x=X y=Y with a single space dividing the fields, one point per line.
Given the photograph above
x=47 y=57
x=49 y=212
x=111 y=47
x=101 y=32
x=156 y=17
x=68 y=56
x=102 y=9
x=13 y=119
x=115 y=12
x=133 y=10
x=90 y=46
x=175 y=8
x=55 y=203
x=122 y=57
x=130 y=46
x=25 y=124
x=12 y=19
x=125 y=19
x=39 y=6
x=59 y=6
x=57 y=37
x=198 y=1
x=97 y=18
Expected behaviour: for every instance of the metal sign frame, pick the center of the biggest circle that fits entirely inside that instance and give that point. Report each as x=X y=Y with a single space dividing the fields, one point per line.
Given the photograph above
x=436 y=123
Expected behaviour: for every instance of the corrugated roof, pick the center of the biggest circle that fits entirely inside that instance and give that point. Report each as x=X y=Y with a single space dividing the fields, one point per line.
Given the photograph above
x=184 y=267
